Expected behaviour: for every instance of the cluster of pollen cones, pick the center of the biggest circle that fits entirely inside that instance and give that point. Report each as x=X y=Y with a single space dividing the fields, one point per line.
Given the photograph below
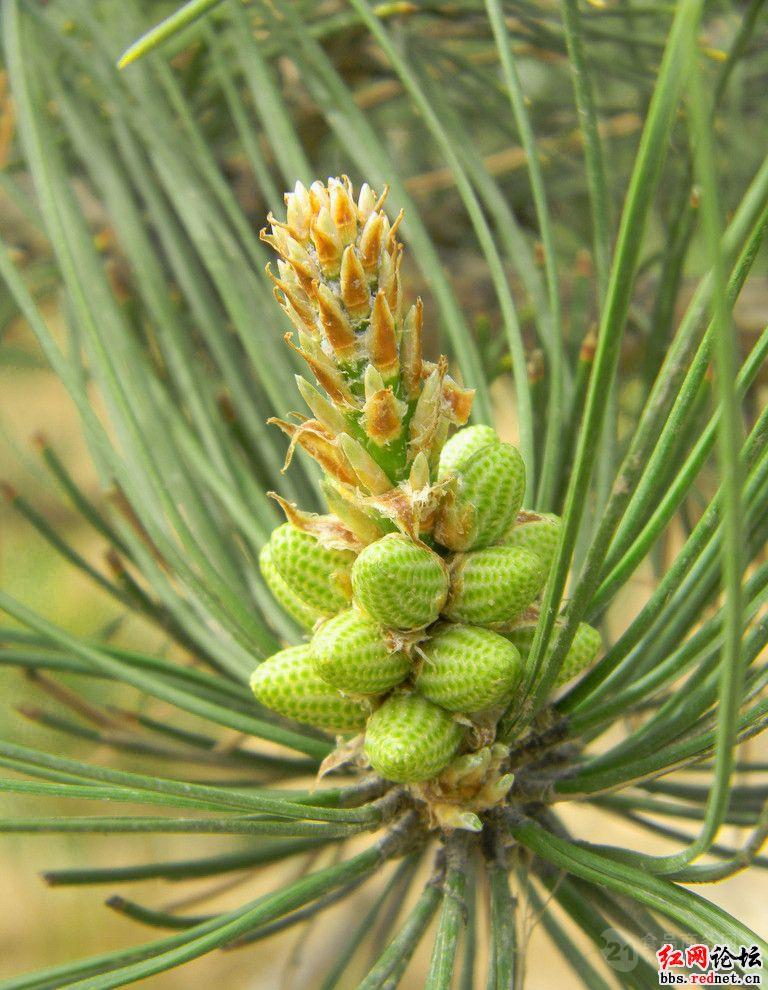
x=418 y=585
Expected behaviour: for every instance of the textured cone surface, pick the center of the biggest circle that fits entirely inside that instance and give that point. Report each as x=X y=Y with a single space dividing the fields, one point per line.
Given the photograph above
x=304 y=614
x=399 y=583
x=488 y=493
x=493 y=585
x=288 y=684
x=463 y=445
x=540 y=536
x=316 y=575
x=468 y=669
x=582 y=651
x=409 y=739
x=349 y=652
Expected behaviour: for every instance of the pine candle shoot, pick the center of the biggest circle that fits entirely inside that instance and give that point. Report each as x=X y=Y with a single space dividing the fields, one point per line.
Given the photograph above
x=418 y=585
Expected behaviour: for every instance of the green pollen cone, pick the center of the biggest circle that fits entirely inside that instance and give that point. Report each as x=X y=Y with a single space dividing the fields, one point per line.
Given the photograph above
x=463 y=445
x=409 y=739
x=304 y=614
x=540 y=535
x=318 y=576
x=468 y=669
x=493 y=585
x=581 y=653
x=349 y=652
x=399 y=583
x=287 y=683
x=484 y=500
